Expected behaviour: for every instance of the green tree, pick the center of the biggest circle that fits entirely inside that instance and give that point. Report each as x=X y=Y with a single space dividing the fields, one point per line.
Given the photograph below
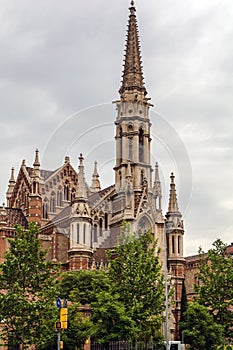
x=111 y=322
x=215 y=288
x=199 y=328
x=183 y=306
x=28 y=291
x=84 y=285
x=135 y=275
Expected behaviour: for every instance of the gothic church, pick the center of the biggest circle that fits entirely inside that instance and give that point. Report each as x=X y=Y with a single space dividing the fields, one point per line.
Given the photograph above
x=80 y=221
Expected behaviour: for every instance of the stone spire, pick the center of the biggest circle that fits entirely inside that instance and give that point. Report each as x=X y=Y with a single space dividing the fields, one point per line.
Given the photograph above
x=173 y=204
x=82 y=191
x=95 y=186
x=11 y=186
x=132 y=88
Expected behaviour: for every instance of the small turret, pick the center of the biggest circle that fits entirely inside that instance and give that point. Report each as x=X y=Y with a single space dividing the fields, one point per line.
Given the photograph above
x=36 y=175
x=35 y=200
x=80 y=252
x=174 y=223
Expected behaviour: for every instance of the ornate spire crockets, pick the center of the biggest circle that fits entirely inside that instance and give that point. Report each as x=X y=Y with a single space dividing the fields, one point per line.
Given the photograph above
x=173 y=203
x=95 y=186
x=132 y=88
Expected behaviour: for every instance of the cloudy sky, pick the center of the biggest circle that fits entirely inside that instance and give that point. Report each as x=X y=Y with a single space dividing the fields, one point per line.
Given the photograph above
x=60 y=70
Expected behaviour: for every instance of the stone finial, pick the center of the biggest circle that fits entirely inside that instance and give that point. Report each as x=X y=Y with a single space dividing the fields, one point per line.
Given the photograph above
x=67 y=159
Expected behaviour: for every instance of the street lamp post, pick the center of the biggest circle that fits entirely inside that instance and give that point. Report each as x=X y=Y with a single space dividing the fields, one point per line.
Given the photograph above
x=166 y=286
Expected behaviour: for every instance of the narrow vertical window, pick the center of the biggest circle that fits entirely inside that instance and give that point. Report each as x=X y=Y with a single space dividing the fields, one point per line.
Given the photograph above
x=120 y=145
x=101 y=227
x=106 y=221
x=84 y=233
x=141 y=146
x=52 y=203
x=130 y=149
x=173 y=244
x=66 y=191
x=95 y=233
x=45 y=210
x=120 y=179
x=142 y=177
x=78 y=234
x=59 y=197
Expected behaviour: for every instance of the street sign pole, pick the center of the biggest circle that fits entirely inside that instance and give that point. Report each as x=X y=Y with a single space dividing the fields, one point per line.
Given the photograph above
x=58 y=339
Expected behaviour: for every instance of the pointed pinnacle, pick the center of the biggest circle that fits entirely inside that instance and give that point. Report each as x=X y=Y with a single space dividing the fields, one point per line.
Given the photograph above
x=173 y=203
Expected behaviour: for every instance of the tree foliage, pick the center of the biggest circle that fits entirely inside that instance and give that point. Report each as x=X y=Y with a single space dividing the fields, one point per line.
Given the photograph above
x=110 y=319
x=83 y=286
x=215 y=288
x=28 y=284
x=183 y=307
x=135 y=275
x=199 y=328
x=79 y=329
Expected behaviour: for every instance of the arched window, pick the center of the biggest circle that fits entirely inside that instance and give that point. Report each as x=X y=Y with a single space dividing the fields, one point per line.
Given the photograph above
x=45 y=209
x=66 y=191
x=59 y=196
x=52 y=203
x=106 y=221
x=34 y=187
x=101 y=227
x=72 y=194
x=141 y=145
x=95 y=233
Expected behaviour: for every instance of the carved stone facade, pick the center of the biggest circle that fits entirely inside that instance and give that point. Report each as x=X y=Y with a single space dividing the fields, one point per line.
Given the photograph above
x=79 y=223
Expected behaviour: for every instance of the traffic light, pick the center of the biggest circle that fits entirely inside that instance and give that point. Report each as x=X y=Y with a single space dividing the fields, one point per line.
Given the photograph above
x=63 y=317
x=58 y=325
